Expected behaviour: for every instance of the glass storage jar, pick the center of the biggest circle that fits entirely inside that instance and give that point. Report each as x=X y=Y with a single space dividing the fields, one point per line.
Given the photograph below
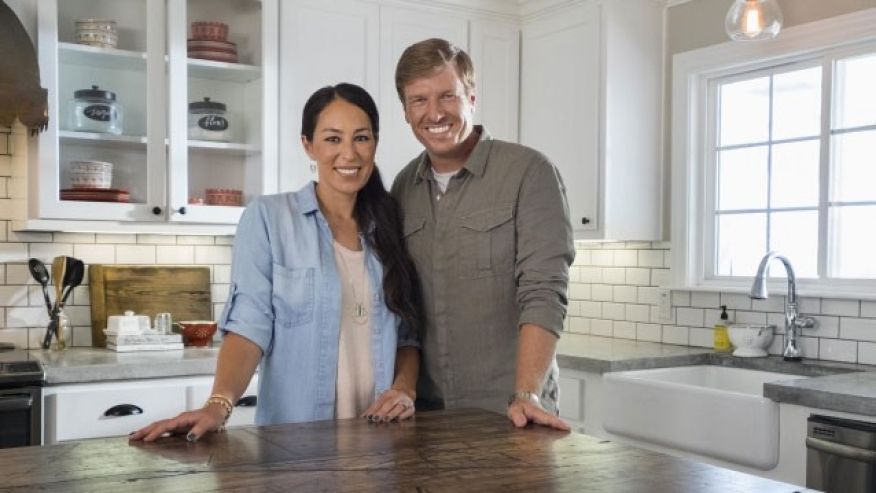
x=95 y=110
x=207 y=121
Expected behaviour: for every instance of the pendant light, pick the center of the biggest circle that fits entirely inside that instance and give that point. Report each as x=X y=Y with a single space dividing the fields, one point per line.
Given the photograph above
x=751 y=20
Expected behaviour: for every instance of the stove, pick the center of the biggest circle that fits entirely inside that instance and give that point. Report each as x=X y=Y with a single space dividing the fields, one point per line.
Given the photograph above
x=15 y=373
x=21 y=382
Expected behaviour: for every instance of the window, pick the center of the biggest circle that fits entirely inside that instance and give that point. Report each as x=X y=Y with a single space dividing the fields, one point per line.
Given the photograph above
x=779 y=154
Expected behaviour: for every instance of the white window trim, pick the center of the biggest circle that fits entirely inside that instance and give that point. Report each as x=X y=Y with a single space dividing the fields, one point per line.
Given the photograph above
x=692 y=72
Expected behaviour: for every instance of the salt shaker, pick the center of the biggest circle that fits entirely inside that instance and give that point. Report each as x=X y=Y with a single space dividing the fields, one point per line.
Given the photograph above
x=163 y=323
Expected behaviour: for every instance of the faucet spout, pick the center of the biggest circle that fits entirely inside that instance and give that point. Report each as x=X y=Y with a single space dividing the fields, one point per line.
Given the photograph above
x=794 y=322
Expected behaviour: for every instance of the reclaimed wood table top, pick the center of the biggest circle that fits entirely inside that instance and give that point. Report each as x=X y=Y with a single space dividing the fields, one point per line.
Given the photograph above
x=459 y=450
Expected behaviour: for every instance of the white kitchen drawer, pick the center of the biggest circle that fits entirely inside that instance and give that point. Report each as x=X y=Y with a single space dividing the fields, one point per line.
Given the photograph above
x=242 y=416
x=571 y=393
x=78 y=412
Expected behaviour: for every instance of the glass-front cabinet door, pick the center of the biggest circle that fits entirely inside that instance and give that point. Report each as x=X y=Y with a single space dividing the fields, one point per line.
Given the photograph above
x=160 y=110
x=222 y=139
x=103 y=155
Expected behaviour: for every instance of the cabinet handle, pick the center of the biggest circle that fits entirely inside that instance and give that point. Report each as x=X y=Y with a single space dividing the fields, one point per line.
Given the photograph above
x=181 y=210
x=247 y=401
x=156 y=210
x=123 y=410
x=585 y=220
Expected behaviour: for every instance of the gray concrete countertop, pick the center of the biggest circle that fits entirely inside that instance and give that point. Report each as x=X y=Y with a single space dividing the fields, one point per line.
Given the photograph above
x=834 y=386
x=81 y=365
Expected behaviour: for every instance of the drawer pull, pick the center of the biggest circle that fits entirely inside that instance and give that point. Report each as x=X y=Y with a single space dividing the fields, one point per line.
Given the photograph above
x=247 y=401
x=123 y=410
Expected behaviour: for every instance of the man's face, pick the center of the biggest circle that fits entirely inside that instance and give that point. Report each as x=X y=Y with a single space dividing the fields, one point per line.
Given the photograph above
x=440 y=111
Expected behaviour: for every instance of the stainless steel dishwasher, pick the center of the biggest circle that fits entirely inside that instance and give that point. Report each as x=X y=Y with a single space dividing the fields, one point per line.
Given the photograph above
x=840 y=455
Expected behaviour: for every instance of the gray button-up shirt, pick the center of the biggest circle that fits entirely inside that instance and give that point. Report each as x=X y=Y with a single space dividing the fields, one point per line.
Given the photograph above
x=492 y=252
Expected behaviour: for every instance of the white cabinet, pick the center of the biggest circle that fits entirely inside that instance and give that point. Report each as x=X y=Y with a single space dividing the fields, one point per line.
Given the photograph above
x=154 y=81
x=591 y=101
x=244 y=409
x=367 y=38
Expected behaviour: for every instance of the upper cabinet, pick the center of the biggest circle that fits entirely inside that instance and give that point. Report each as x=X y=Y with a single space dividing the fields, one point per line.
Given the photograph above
x=591 y=101
x=367 y=39
x=152 y=123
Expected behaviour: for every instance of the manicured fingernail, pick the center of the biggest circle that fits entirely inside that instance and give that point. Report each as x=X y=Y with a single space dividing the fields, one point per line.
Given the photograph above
x=191 y=437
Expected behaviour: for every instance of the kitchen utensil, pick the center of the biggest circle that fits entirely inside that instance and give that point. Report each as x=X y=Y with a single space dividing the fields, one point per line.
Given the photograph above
x=197 y=332
x=182 y=291
x=41 y=275
x=50 y=331
x=751 y=340
x=59 y=266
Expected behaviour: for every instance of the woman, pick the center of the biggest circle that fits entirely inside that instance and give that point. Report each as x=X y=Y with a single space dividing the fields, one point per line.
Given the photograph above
x=323 y=294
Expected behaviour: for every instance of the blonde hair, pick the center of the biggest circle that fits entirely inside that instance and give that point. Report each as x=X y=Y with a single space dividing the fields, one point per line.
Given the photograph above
x=424 y=58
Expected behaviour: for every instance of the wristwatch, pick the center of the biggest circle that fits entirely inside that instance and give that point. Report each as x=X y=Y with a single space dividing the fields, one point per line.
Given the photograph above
x=524 y=394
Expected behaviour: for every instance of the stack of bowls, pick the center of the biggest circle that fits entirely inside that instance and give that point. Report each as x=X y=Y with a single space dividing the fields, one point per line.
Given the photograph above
x=91 y=174
x=224 y=196
x=209 y=41
x=97 y=32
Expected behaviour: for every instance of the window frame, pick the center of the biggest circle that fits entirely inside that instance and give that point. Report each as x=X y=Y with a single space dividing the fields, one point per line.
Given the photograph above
x=695 y=78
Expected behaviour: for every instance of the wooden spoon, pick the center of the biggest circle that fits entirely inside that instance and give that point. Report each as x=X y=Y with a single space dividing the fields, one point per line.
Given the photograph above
x=59 y=267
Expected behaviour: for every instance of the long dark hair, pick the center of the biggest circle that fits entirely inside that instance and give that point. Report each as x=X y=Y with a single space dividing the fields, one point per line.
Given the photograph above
x=374 y=206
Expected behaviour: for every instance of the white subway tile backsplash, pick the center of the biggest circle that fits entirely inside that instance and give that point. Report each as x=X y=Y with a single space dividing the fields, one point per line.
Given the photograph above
x=175 y=254
x=14 y=295
x=647 y=295
x=82 y=336
x=14 y=336
x=639 y=313
x=866 y=352
x=212 y=254
x=693 y=317
x=656 y=318
x=681 y=298
x=602 y=292
x=626 y=258
x=574 y=274
x=650 y=258
x=638 y=276
x=582 y=257
x=115 y=239
x=661 y=277
x=600 y=327
x=809 y=347
x=777 y=319
x=26 y=236
x=614 y=275
x=649 y=332
x=135 y=254
x=579 y=291
x=13 y=252
x=73 y=237
x=809 y=305
x=735 y=301
x=624 y=330
x=48 y=251
x=18 y=274
x=868 y=309
x=81 y=296
x=702 y=299
x=614 y=311
x=156 y=239
x=195 y=240
x=591 y=309
x=602 y=258
x=30 y=316
x=625 y=294
x=701 y=337
x=825 y=326
x=222 y=274
x=79 y=315
x=846 y=308
x=590 y=274
x=744 y=317
x=838 y=350
x=673 y=334
x=775 y=304
x=95 y=254
x=579 y=325
x=219 y=292
x=860 y=329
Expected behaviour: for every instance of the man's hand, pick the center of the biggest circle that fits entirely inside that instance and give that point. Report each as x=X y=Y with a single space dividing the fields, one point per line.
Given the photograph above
x=522 y=411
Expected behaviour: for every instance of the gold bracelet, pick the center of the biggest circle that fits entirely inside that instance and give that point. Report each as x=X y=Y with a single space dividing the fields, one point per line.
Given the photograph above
x=226 y=404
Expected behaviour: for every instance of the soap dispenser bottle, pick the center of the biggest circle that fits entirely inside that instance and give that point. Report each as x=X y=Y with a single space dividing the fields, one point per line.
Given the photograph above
x=722 y=338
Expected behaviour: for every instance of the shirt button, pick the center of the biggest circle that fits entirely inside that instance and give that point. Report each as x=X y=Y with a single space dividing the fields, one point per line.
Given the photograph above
x=438 y=197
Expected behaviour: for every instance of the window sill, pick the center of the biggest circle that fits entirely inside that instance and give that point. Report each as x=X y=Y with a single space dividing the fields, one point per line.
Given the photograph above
x=779 y=288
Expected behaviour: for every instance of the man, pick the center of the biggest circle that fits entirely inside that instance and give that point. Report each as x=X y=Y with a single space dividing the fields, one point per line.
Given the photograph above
x=487 y=225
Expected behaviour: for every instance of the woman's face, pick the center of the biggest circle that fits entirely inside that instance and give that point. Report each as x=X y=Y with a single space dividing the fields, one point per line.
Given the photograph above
x=343 y=147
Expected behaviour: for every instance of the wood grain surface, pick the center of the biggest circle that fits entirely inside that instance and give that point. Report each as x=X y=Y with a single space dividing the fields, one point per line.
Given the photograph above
x=147 y=290
x=461 y=450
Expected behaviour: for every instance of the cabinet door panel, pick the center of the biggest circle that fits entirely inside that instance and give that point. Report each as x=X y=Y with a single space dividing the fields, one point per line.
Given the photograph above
x=495 y=51
x=400 y=28
x=560 y=110
x=323 y=43
x=198 y=393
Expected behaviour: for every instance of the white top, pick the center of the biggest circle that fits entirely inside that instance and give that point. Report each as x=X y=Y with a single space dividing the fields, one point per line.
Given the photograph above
x=443 y=179
x=355 y=385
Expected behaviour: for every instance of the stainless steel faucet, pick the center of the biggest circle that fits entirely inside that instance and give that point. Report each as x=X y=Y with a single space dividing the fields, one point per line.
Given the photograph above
x=794 y=322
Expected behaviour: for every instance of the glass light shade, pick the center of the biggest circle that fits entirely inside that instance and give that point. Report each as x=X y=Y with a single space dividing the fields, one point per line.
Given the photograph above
x=751 y=20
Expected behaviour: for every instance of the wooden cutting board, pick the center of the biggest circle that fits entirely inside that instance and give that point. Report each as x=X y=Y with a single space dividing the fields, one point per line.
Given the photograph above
x=182 y=291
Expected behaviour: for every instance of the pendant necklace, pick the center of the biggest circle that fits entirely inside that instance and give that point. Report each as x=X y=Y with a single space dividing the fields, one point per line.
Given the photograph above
x=360 y=313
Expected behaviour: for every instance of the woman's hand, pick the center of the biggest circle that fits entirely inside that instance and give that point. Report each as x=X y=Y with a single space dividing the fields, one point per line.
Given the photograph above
x=192 y=423
x=392 y=405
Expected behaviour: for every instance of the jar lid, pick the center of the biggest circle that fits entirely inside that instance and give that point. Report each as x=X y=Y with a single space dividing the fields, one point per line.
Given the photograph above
x=206 y=104
x=95 y=93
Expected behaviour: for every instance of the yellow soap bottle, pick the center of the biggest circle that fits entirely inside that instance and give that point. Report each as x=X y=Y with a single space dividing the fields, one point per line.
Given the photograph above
x=722 y=339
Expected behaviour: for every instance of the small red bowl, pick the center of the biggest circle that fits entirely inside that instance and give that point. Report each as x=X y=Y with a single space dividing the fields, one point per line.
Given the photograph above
x=197 y=332
x=210 y=30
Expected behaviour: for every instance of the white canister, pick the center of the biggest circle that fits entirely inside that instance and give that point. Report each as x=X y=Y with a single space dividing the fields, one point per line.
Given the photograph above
x=95 y=110
x=207 y=121
x=91 y=174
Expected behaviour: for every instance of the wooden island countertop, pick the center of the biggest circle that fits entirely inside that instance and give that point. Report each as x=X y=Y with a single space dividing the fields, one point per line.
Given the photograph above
x=460 y=450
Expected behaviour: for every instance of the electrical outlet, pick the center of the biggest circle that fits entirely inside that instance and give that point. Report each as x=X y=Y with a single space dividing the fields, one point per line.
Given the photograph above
x=664 y=305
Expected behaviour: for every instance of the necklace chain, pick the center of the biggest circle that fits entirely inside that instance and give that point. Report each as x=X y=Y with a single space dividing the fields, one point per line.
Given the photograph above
x=359 y=312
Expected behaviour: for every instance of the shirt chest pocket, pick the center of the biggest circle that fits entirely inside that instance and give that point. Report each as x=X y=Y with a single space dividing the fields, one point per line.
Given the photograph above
x=487 y=243
x=293 y=295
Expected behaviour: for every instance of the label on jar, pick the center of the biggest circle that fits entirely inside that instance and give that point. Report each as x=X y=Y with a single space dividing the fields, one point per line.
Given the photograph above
x=213 y=123
x=99 y=112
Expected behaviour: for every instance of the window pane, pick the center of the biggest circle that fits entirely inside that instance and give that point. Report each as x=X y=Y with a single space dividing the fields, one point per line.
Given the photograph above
x=794 y=180
x=745 y=108
x=741 y=243
x=742 y=178
x=795 y=235
x=855 y=83
x=852 y=242
x=854 y=167
x=797 y=104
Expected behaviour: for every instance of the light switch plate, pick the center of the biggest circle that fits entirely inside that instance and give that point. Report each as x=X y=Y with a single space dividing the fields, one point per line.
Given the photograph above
x=664 y=305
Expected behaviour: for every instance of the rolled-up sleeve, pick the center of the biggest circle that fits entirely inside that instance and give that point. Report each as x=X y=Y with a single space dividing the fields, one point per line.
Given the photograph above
x=408 y=336
x=545 y=248
x=248 y=310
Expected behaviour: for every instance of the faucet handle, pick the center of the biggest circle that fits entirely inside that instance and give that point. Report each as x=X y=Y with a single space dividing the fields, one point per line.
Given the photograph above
x=805 y=322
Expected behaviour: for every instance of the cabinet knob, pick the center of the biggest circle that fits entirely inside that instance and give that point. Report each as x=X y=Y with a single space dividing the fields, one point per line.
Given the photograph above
x=585 y=220
x=156 y=210
x=248 y=401
x=181 y=210
x=123 y=410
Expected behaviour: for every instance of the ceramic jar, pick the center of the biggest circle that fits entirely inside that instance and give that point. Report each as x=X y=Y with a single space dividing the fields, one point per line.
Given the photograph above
x=207 y=121
x=95 y=110
x=91 y=174
x=97 y=32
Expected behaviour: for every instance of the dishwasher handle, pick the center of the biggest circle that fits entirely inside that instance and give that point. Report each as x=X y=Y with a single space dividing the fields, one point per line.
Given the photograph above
x=845 y=451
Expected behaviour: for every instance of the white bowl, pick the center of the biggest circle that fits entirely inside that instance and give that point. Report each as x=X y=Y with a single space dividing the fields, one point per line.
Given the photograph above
x=91 y=174
x=751 y=340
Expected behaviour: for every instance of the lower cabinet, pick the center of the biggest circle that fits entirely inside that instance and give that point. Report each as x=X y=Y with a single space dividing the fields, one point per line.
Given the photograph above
x=94 y=410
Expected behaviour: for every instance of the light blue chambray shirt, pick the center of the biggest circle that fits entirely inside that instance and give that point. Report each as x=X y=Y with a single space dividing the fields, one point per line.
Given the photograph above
x=285 y=296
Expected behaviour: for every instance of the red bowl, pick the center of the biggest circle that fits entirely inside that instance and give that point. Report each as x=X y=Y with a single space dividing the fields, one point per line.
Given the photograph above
x=209 y=30
x=197 y=332
x=224 y=196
